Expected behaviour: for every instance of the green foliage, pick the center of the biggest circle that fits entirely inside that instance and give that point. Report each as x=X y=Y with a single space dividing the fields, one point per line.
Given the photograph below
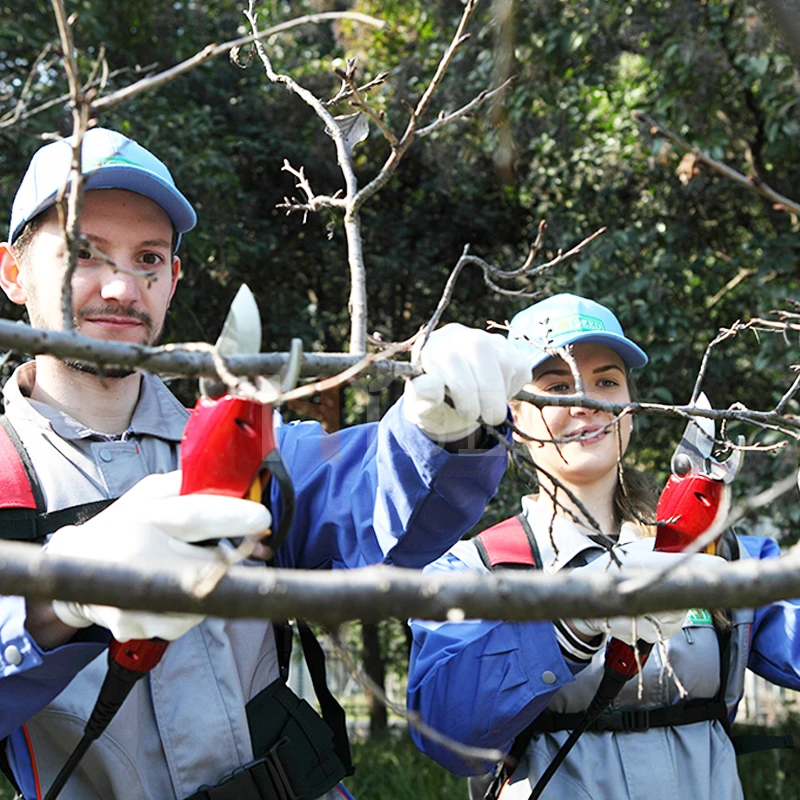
x=391 y=768
x=771 y=773
x=683 y=256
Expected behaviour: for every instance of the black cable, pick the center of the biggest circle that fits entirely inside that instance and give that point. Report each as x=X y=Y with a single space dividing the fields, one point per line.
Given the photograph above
x=127 y=663
x=622 y=662
x=609 y=688
x=68 y=768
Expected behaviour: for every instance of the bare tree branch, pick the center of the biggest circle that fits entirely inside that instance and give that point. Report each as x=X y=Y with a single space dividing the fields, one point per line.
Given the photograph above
x=214 y=50
x=374 y=593
x=752 y=183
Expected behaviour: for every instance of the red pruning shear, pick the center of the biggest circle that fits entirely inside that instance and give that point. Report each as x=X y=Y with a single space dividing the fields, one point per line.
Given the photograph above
x=228 y=446
x=697 y=495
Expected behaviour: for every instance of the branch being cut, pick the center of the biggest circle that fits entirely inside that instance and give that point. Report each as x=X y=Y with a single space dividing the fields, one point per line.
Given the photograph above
x=527 y=270
x=375 y=593
x=187 y=360
x=190 y=361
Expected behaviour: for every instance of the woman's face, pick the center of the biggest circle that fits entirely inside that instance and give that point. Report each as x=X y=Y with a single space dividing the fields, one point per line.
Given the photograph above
x=594 y=457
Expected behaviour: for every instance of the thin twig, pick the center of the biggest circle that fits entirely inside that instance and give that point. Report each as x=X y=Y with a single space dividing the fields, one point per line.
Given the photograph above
x=752 y=183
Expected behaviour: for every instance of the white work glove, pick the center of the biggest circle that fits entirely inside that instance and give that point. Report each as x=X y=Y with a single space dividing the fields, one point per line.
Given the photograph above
x=655 y=626
x=481 y=371
x=151 y=522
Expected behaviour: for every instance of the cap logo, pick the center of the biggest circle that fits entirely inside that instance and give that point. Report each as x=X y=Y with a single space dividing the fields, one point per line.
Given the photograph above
x=576 y=322
x=108 y=162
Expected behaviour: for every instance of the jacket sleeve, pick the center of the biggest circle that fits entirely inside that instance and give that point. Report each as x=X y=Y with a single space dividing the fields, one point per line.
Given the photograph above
x=480 y=682
x=32 y=677
x=379 y=493
x=774 y=643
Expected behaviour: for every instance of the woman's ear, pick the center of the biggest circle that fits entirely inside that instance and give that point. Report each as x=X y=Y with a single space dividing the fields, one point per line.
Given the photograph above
x=10 y=275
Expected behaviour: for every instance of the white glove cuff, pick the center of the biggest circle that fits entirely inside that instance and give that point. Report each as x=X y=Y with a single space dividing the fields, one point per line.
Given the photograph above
x=69 y=614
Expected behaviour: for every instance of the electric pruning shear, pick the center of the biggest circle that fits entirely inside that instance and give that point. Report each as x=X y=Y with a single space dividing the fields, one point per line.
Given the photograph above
x=696 y=497
x=228 y=448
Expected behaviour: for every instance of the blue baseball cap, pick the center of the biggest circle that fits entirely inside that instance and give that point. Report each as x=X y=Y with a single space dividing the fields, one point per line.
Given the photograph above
x=109 y=161
x=566 y=319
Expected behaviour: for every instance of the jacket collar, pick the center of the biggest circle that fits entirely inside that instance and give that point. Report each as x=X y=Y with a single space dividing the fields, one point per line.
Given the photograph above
x=561 y=542
x=158 y=412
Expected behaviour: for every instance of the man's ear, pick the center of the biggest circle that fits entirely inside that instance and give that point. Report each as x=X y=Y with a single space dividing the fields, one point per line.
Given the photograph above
x=176 y=273
x=10 y=275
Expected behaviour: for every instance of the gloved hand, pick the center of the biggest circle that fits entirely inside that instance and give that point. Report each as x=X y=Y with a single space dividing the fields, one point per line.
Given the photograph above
x=655 y=625
x=480 y=372
x=152 y=522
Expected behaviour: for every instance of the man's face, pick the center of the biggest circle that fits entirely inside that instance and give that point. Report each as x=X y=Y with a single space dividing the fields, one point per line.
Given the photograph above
x=122 y=284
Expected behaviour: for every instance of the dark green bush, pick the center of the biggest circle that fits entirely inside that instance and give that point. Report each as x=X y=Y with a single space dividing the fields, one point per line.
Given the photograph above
x=772 y=773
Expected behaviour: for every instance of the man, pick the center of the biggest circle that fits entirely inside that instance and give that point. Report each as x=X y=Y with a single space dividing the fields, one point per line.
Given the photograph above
x=398 y=492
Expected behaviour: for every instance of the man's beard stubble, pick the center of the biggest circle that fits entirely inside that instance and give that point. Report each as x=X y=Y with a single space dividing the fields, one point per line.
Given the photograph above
x=151 y=338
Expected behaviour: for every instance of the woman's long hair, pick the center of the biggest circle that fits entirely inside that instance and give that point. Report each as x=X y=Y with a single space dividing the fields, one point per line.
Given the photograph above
x=635 y=500
x=636 y=495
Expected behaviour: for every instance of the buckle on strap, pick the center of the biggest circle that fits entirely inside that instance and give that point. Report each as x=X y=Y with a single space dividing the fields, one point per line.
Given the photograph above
x=261 y=779
x=635 y=719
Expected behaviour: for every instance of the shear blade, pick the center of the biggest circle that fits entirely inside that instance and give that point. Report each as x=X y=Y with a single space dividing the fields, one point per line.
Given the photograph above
x=241 y=332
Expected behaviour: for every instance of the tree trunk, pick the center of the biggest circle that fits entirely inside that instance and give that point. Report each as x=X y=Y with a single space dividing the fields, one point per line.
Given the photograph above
x=376 y=670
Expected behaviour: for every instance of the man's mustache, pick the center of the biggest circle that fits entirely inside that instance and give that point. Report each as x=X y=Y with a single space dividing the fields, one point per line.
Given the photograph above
x=116 y=311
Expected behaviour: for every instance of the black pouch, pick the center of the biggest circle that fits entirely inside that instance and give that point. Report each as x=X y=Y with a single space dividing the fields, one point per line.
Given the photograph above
x=292 y=733
x=296 y=755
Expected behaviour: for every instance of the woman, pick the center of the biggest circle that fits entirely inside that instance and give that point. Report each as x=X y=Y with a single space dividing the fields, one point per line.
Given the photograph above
x=483 y=683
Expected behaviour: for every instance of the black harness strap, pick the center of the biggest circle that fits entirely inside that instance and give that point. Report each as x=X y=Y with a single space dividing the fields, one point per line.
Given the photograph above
x=332 y=712
x=633 y=719
x=27 y=525
x=623 y=720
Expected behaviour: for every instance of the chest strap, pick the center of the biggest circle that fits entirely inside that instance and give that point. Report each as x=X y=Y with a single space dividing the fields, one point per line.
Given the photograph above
x=23 y=517
x=28 y=525
x=642 y=719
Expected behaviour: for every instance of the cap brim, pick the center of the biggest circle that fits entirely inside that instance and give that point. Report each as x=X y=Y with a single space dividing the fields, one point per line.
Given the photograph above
x=630 y=353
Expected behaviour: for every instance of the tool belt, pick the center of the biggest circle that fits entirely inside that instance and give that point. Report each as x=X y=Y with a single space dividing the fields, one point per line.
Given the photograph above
x=298 y=760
